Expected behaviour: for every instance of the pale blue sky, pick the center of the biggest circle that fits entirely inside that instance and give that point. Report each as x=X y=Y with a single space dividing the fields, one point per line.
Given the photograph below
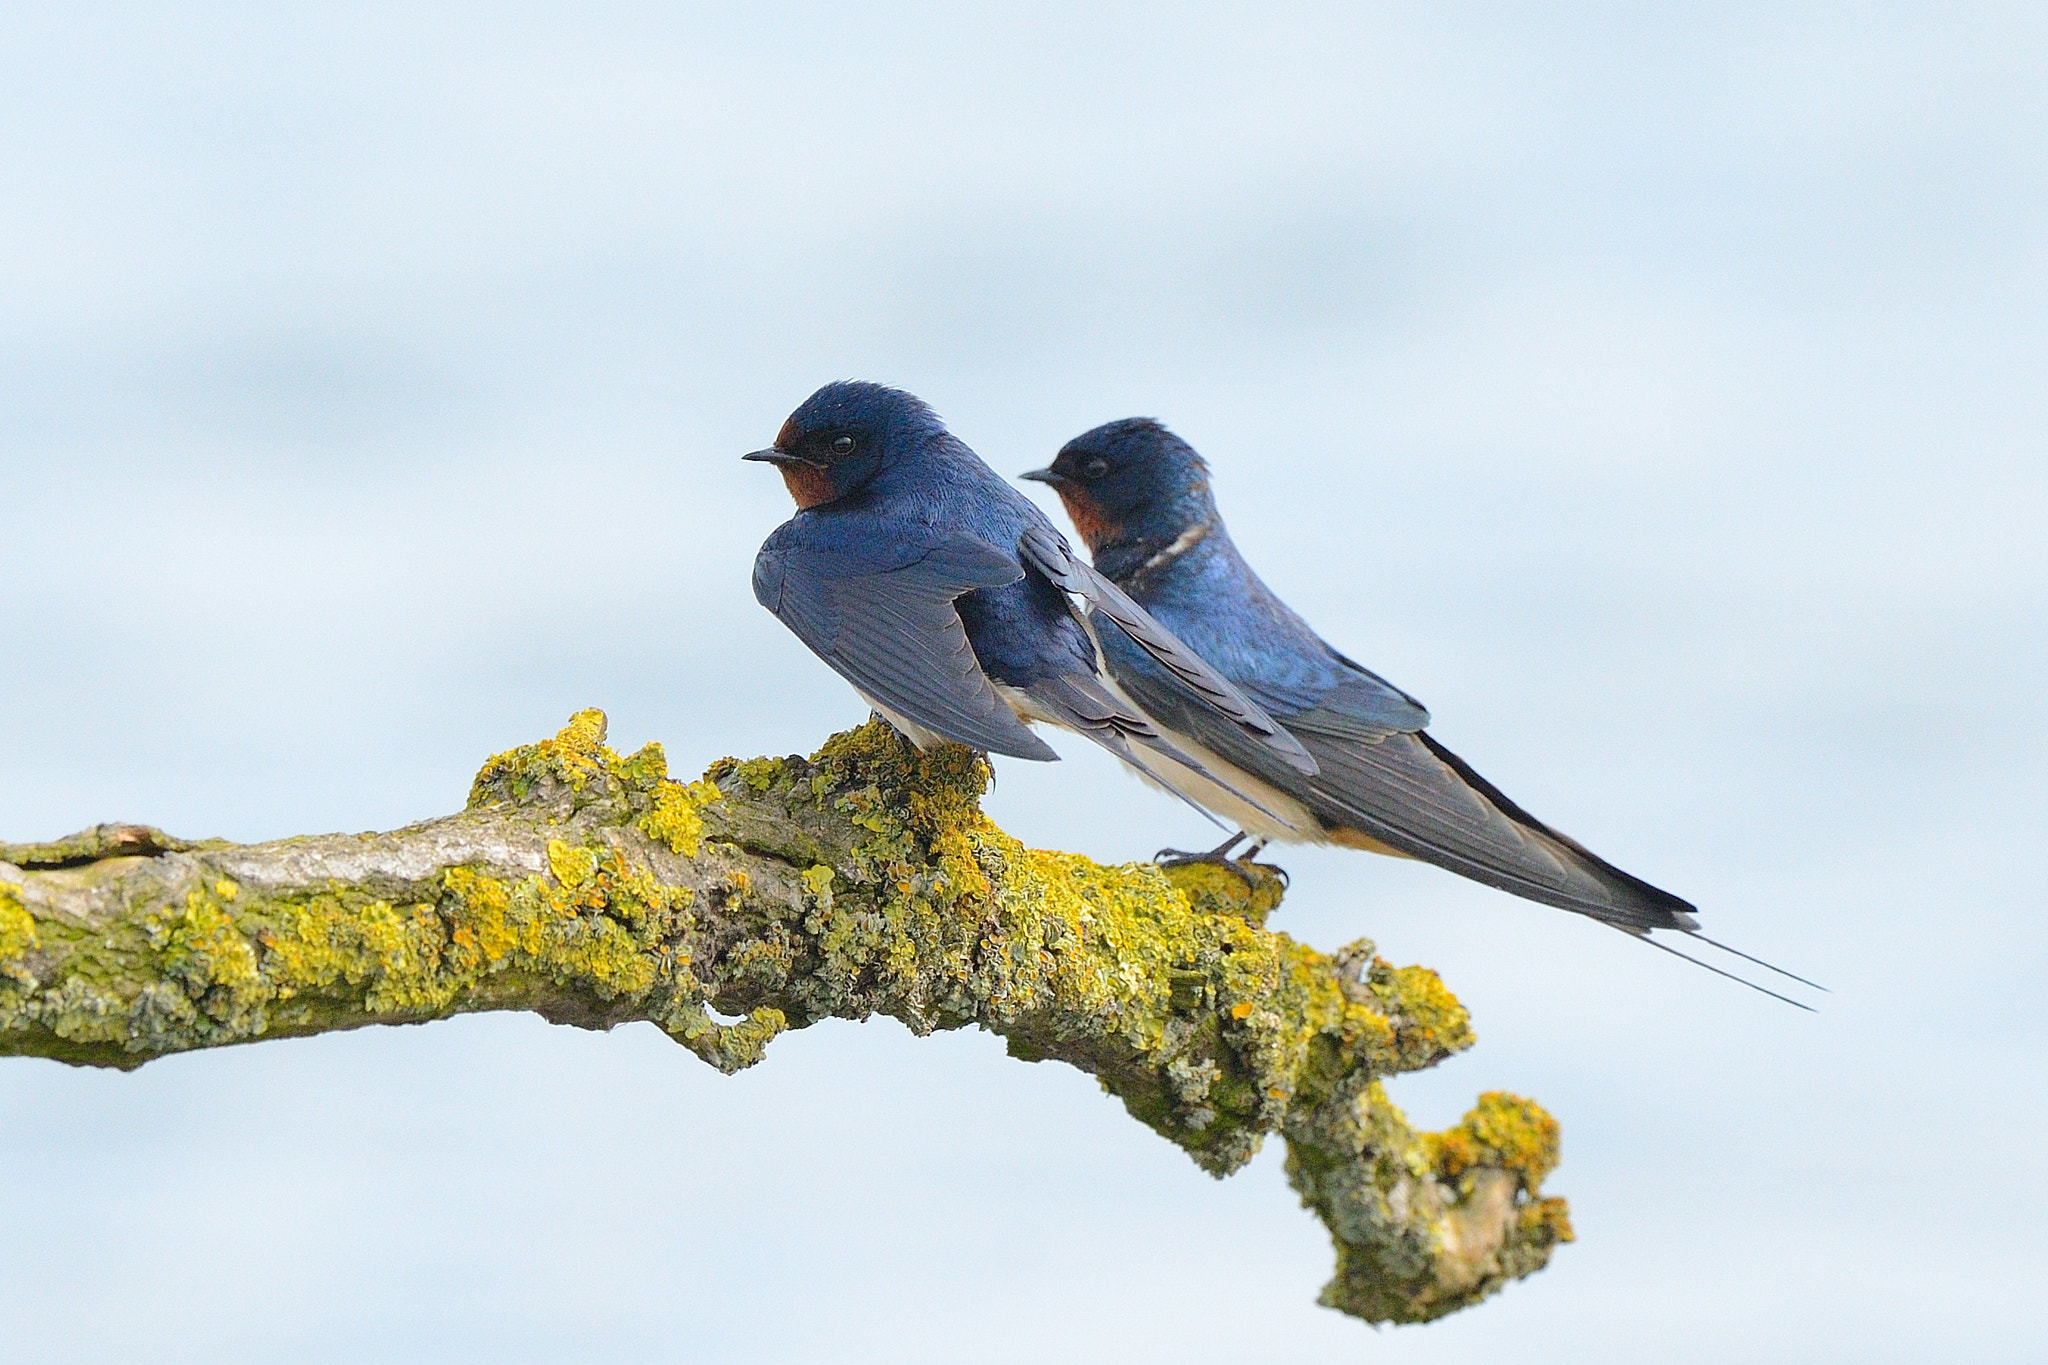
x=1656 y=393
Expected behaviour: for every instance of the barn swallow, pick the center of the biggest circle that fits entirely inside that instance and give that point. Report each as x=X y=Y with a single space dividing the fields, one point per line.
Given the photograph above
x=953 y=605
x=1140 y=498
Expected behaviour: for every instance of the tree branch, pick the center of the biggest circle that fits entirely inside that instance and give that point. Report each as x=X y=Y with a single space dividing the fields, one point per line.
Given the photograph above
x=594 y=890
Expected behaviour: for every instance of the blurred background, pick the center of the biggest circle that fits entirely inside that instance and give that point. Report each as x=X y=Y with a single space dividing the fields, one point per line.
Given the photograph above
x=1655 y=391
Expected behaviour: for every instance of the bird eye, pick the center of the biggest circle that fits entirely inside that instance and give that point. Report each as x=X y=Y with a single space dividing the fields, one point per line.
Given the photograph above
x=842 y=445
x=1095 y=468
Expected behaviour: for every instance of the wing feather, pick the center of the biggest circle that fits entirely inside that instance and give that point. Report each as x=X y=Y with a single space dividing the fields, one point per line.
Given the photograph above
x=1409 y=793
x=896 y=635
x=1046 y=550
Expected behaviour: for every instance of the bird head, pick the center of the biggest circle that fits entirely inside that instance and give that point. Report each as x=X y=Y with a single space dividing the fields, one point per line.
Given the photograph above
x=843 y=436
x=1128 y=481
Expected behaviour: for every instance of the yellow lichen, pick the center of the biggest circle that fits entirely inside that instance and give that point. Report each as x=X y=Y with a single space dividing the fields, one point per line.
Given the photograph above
x=572 y=866
x=1503 y=1131
x=675 y=820
x=17 y=935
x=602 y=925
x=1545 y=1221
x=1041 y=937
x=574 y=756
x=479 y=907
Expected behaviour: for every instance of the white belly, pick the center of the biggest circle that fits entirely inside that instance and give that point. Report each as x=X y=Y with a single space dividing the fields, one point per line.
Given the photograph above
x=1283 y=819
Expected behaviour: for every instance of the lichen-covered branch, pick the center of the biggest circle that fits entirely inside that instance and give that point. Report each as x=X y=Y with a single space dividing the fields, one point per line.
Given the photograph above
x=594 y=890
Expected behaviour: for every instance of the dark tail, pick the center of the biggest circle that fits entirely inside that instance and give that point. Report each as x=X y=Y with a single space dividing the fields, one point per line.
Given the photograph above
x=1411 y=795
x=1631 y=902
x=1741 y=980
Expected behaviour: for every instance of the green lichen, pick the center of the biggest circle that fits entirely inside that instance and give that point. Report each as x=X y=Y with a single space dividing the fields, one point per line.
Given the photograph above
x=1506 y=1133
x=203 y=948
x=1207 y=1028
x=760 y=774
x=729 y=1047
x=221 y=966
x=600 y=925
x=93 y=845
x=1427 y=1223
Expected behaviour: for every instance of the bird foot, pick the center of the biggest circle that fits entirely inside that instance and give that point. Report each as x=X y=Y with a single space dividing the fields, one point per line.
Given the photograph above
x=1219 y=856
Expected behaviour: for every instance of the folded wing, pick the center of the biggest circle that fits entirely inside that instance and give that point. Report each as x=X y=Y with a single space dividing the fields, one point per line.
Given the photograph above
x=1045 y=550
x=1381 y=782
x=896 y=635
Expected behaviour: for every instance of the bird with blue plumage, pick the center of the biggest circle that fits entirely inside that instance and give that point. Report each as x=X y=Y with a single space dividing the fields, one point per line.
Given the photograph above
x=1141 y=499
x=952 y=604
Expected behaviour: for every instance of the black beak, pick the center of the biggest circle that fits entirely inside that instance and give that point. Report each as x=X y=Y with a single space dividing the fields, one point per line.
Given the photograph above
x=773 y=456
x=1045 y=475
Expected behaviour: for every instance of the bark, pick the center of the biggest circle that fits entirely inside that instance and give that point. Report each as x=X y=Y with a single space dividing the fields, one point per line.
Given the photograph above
x=593 y=890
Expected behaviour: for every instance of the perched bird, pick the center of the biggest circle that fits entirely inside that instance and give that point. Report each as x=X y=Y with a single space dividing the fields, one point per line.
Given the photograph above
x=952 y=604
x=1140 y=497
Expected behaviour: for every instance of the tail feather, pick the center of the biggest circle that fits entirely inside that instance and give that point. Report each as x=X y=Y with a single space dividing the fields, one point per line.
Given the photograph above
x=1741 y=980
x=1627 y=886
x=1751 y=957
x=1414 y=795
x=1426 y=801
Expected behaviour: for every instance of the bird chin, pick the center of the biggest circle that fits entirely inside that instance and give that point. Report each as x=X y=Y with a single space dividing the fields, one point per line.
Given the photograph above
x=1095 y=529
x=809 y=485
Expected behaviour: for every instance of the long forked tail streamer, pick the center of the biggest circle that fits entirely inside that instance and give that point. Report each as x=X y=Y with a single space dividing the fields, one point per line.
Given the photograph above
x=1794 y=976
x=1708 y=966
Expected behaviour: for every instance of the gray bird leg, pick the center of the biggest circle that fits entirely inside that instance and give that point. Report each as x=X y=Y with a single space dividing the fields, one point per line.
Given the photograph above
x=1174 y=857
x=1220 y=855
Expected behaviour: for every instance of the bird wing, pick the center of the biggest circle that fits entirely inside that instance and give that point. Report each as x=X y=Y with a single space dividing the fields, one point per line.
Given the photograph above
x=1046 y=550
x=1360 y=706
x=1414 y=795
x=895 y=634
x=1380 y=777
